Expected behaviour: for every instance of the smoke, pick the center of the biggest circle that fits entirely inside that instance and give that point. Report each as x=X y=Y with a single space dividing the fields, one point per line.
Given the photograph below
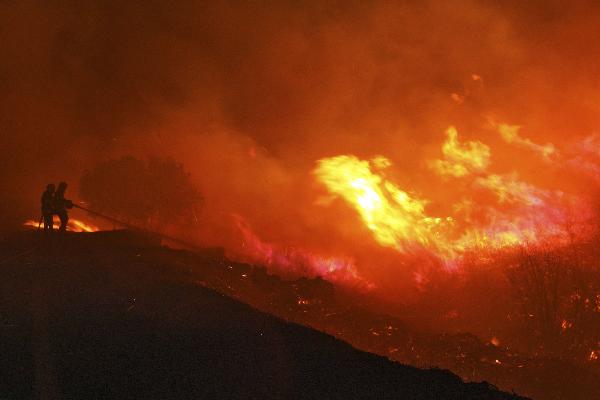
x=248 y=95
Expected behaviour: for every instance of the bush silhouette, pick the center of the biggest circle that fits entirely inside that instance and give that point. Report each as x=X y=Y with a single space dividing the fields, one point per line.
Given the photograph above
x=148 y=192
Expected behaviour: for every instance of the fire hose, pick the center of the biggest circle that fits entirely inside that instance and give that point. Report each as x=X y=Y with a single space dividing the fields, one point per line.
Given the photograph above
x=127 y=225
x=109 y=218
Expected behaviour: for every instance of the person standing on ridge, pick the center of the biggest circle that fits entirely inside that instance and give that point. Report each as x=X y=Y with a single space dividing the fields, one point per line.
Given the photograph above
x=61 y=205
x=48 y=207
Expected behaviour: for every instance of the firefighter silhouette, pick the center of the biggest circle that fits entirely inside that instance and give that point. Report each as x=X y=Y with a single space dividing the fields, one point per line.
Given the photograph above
x=48 y=207
x=61 y=205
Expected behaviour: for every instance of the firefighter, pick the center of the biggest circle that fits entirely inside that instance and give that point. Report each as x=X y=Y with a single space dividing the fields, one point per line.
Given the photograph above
x=61 y=205
x=48 y=207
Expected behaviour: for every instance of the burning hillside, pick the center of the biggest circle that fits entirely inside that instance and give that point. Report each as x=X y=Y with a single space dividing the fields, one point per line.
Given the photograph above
x=328 y=142
x=74 y=225
x=441 y=157
x=479 y=210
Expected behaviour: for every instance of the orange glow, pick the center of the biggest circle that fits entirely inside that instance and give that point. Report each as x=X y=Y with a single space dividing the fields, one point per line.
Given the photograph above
x=510 y=133
x=521 y=212
x=396 y=218
x=74 y=225
x=298 y=262
x=510 y=189
x=461 y=159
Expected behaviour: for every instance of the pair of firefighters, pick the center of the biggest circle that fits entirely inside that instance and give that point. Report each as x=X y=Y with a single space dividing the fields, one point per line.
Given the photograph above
x=55 y=203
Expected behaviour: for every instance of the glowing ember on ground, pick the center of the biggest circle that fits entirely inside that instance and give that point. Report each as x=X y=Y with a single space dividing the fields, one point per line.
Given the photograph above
x=74 y=225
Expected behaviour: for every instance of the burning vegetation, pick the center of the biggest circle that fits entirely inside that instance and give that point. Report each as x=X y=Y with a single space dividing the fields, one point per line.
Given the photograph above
x=452 y=178
x=74 y=225
x=517 y=213
x=518 y=269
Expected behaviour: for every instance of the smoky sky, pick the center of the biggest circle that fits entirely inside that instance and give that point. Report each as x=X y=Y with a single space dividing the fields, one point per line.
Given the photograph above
x=81 y=81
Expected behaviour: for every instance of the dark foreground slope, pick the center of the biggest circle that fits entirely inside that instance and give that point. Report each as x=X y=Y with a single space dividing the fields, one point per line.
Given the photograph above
x=85 y=317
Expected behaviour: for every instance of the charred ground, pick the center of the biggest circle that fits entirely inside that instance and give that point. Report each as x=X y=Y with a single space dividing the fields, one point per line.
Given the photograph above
x=113 y=315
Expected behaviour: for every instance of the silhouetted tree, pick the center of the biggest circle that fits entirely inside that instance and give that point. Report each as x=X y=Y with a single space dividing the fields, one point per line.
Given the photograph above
x=147 y=192
x=558 y=293
x=538 y=281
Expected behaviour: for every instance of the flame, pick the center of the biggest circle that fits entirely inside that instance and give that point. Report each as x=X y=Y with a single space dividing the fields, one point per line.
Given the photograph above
x=396 y=218
x=522 y=212
x=458 y=98
x=74 y=225
x=509 y=189
x=461 y=159
x=299 y=261
x=510 y=134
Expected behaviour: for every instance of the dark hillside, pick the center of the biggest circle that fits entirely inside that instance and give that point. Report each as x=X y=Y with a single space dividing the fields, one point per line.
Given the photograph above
x=86 y=316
